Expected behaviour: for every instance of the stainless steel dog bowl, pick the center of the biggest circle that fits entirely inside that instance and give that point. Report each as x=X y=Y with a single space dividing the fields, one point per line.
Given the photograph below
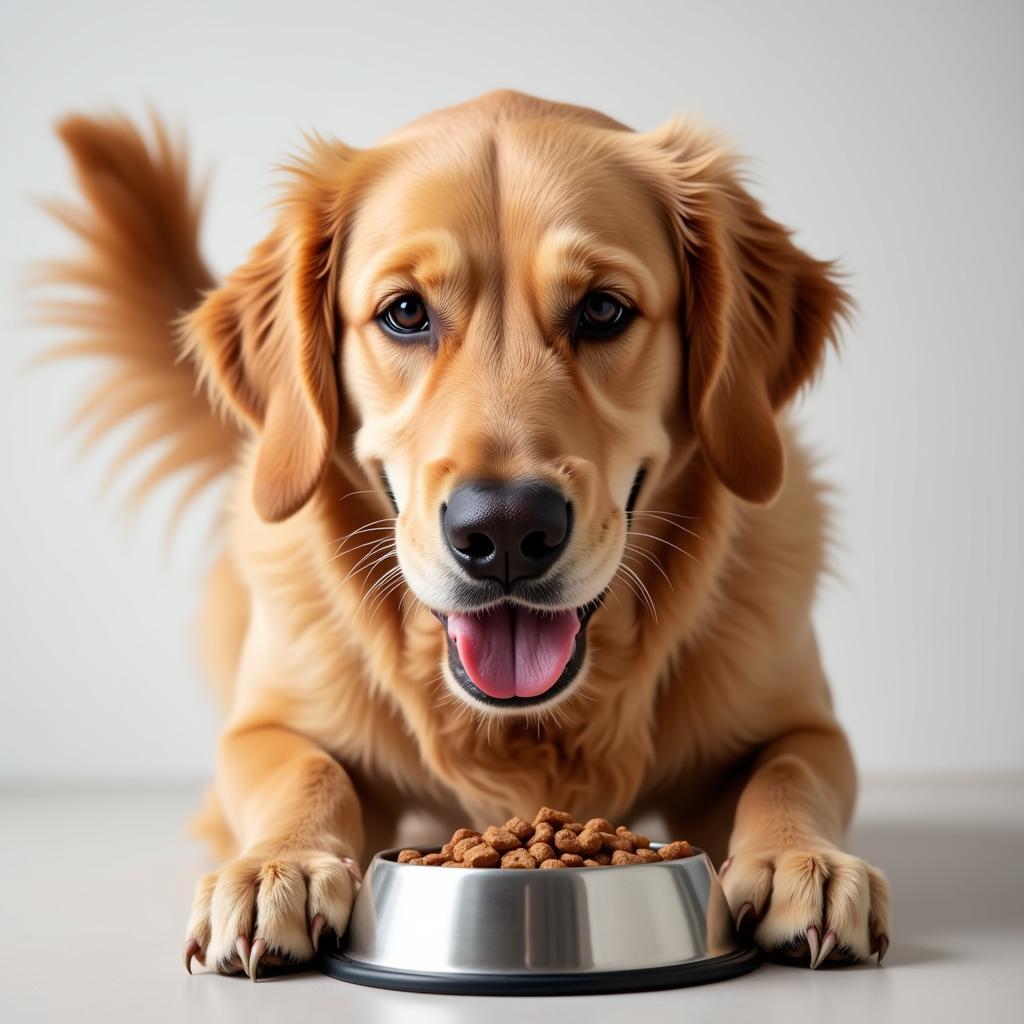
x=495 y=932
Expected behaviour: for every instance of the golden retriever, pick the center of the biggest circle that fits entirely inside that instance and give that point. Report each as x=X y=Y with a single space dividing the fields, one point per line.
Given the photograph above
x=515 y=518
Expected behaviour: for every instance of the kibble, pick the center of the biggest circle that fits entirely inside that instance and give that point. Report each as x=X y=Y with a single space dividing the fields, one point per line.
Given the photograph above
x=501 y=839
x=566 y=841
x=518 y=859
x=674 y=851
x=482 y=856
x=521 y=829
x=543 y=833
x=552 y=817
x=625 y=857
x=541 y=852
x=460 y=848
x=554 y=840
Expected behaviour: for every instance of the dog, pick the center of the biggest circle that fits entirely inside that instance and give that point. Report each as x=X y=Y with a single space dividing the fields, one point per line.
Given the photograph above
x=515 y=514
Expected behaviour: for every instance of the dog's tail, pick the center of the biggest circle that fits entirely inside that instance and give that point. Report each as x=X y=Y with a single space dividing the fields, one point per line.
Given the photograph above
x=139 y=271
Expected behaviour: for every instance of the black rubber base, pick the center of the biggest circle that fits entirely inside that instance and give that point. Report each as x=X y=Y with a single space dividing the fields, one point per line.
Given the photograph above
x=337 y=965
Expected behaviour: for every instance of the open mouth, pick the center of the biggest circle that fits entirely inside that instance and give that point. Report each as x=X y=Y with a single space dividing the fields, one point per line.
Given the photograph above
x=509 y=655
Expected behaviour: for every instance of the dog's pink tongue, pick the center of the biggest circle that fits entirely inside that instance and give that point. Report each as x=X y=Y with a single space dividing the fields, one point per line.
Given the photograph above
x=514 y=652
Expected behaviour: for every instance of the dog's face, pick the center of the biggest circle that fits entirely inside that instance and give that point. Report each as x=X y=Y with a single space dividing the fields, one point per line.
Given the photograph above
x=512 y=354
x=537 y=319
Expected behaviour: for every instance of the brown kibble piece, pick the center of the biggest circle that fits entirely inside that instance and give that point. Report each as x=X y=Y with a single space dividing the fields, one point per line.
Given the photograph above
x=567 y=841
x=599 y=825
x=433 y=859
x=460 y=848
x=482 y=856
x=676 y=850
x=554 y=862
x=520 y=828
x=589 y=863
x=552 y=817
x=590 y=842
x=603 y=858
x=417 y=860
x=454 y=864
x=544 y=833
x=447 y=849
x=518 y=859
x=647 y=856
x=635 y=838
x=624 y=857
x=612 y=841
x=575 y=826
x=571 y=860
x=407 y=855
x=500 y=839
x=541 y=852
x=463 y=833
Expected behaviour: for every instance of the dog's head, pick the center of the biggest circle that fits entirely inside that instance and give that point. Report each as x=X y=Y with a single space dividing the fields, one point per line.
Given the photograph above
x=519 y=319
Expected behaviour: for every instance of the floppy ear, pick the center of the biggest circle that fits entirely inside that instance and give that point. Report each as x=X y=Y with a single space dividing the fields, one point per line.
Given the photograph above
x=265 y=340
x=758 y=313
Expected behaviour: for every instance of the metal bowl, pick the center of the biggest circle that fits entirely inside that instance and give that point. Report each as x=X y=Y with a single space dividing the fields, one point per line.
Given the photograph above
x=494 y=932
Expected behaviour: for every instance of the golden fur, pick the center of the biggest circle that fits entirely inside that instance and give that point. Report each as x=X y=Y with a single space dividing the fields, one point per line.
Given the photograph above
x=702 y=698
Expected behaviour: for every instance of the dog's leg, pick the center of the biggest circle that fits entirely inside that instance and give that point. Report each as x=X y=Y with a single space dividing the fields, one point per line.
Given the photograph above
x=786 y=878
x=296 y=815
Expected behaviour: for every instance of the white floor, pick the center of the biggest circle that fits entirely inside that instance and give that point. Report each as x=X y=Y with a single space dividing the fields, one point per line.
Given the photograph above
x=96 y=887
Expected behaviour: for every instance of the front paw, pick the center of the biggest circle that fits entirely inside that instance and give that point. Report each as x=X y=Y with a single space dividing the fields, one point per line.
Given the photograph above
x=262 y=909
x=809 y=902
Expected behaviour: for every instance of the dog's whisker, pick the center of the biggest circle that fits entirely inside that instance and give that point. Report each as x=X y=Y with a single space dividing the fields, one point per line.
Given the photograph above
x=384 y=556
x=379 y=548
x=352 y=550
x=662 y=540
x=663 y=518
x=385 y=594
x=357 y=533
x=650 y=558
x=645 y=594
x=414 y=606
x=366 y=526
x=381 y=582
x=352 y=494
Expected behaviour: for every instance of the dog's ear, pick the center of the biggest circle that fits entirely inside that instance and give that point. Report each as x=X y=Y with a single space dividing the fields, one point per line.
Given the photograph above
x=758 y=312
x=265 y=341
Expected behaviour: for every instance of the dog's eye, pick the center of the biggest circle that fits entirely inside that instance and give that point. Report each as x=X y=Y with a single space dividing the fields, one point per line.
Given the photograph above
x=602 y=316
x=405 y=317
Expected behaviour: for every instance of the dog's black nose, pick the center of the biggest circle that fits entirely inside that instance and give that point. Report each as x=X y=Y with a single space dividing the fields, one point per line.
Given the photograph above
x=506 y=531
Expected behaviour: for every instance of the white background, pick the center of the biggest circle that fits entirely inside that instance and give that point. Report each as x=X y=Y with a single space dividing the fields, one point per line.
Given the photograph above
x=888 y=134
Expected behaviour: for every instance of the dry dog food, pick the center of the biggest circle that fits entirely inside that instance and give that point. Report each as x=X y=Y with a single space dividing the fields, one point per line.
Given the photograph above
x=554 y=840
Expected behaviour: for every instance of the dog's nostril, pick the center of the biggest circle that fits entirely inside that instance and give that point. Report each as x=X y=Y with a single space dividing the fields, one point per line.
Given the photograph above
x=479 y=546
x=535 y=545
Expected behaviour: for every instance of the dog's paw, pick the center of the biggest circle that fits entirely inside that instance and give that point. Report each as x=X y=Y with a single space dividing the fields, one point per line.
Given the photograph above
x=810 y=903
x=268 y=910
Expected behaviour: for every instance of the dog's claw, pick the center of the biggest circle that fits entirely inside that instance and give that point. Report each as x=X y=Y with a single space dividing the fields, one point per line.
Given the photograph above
x=316 y=929
x=259 y=948
x=745 y=918
x=814 y=945
x=243 y=951
x=883 y=948
x=827 y=945
x=191 y=949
